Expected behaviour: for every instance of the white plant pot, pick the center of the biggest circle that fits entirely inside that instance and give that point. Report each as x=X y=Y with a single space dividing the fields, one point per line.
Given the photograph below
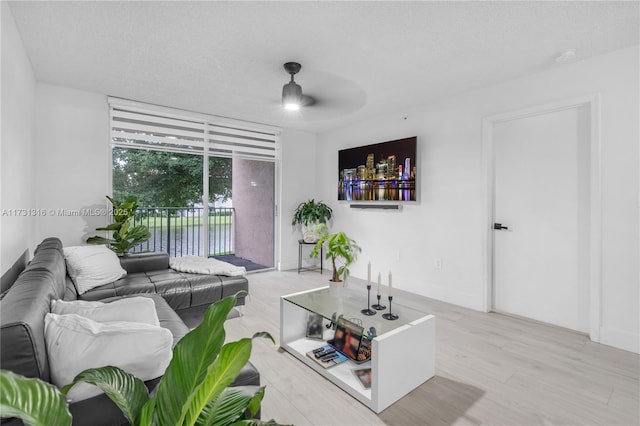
x=335 y=289
x=309 y=234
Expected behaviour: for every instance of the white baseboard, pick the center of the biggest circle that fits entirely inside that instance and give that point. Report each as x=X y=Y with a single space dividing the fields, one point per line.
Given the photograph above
x=454 y=297
x=620 y=339
x=286 y=265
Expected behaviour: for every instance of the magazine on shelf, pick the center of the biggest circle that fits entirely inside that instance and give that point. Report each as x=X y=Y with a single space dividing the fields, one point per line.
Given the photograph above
x=349 y=340
x=339 y=357
x=364 y=376
x=314 y=326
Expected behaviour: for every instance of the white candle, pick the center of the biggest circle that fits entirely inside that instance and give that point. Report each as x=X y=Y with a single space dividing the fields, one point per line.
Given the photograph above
x=369 y=274
x=390 y=285
x=379 y=284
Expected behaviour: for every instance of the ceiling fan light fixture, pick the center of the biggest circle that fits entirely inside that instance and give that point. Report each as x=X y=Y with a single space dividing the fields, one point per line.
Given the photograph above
x=292 y=92
x=291 y=96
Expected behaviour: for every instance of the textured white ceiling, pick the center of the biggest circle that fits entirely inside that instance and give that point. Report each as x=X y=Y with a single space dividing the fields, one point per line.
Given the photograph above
x=359 y=59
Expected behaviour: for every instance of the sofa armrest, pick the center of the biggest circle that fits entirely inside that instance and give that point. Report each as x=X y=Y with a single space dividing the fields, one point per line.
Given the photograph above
x=144 y=262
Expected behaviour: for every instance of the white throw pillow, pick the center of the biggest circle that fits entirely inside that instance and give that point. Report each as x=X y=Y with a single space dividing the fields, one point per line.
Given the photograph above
x=92 y=266
x=132 y=309
x=75 y=343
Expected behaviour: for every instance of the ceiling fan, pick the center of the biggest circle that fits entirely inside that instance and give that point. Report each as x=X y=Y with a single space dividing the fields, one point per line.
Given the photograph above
x=292 y=97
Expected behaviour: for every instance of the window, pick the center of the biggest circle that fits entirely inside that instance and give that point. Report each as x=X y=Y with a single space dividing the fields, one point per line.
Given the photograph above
x=174 y=160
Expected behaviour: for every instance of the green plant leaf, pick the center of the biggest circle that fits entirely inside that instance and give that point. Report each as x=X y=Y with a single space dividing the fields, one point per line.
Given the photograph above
x=125 y=235
x=33 y=401
x=127 y=391
x=99 y=240
x=340 y=249
x=230 y=406
x=254 y=405
x=233 y=356
x=256 y=422
x=147 y=415
x=192 y=358
x=125 y=228
x=138 y=234
x=310 y=212
x=265 y=335
x=111 y=227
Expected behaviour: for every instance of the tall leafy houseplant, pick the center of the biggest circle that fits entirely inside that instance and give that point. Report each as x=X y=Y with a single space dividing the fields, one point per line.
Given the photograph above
x=125 y=235
x=309 y=214
x=342 y=251
x=193 y=391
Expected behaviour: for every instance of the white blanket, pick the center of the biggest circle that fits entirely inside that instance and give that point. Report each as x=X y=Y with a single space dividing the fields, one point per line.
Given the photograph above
x=201 y=265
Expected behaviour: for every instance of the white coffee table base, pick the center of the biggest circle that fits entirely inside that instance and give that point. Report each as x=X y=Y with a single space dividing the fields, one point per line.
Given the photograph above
x=402 y=359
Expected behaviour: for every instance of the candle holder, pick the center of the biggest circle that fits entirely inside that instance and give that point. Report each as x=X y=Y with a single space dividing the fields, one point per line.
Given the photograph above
x=368 y=311
x=378 y=306
x=389 y=315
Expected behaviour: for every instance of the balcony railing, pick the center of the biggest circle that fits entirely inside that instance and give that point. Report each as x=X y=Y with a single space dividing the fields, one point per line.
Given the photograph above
x=179 y=231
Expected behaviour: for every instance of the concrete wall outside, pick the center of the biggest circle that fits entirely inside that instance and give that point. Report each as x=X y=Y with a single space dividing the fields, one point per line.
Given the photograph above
x=253 y=200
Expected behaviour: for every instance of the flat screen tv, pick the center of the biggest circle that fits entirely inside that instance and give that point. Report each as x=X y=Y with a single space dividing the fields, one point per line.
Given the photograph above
x=384 y=171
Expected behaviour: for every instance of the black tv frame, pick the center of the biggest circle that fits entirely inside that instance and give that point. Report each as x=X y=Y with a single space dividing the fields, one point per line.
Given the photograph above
x=381 y=178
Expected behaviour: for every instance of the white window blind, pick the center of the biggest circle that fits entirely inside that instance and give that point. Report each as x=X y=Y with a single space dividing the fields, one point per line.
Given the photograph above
x=142 y=126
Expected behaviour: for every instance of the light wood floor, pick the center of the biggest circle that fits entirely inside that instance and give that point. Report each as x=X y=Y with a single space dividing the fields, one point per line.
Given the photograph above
x=490 y=369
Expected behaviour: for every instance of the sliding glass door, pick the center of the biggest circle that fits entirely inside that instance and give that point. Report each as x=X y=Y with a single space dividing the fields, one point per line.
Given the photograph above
x=205 y=184
x=237 y=222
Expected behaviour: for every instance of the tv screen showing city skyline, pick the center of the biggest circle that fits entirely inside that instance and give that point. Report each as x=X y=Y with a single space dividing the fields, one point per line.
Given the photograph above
x=383 y=171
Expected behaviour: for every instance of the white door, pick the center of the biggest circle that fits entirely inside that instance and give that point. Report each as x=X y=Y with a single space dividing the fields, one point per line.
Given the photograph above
x=541 y=262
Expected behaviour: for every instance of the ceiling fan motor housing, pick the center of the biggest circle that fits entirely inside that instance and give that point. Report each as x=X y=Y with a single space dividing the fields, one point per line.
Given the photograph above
x=292 y=92
x=292 y=68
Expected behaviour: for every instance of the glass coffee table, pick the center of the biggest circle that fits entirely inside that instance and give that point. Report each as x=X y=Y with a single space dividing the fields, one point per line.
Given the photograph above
x=403 y=353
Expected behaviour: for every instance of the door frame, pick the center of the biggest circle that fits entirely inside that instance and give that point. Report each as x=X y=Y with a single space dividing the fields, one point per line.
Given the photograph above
x=593 y=102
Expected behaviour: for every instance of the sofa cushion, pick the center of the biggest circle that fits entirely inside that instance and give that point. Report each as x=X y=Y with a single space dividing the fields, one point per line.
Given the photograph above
x=180 y=290
x=10 y=275
x=100 y=410
x=248 y=376
x=142 y=262
x=168 y=318
x=205 y=289
x=49 y=243
x=51 y=261
x=132 y=309
x=75 y=343
x=22 y=310
x=92 y=266
x=70 y=290
x=233 y=285
x=48 y=257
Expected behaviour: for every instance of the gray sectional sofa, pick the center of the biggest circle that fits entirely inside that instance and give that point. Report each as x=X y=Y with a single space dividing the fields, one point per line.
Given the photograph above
x=25 y=304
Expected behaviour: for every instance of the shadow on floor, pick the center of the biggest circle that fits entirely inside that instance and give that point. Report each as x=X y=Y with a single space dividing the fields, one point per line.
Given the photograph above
x=239 y=261
x=439 y=401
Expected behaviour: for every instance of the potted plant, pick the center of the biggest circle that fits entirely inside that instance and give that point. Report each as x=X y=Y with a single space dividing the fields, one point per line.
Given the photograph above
x=193 y=390
x=309 y=215
x=342 y=251
x=125 y=235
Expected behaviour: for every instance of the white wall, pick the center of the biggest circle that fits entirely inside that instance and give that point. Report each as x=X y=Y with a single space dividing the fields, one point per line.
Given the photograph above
x=69 y=170
x=298 y=177
x=447 y=223
x=73 y=168
x=17 y=145
x=72 y=164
